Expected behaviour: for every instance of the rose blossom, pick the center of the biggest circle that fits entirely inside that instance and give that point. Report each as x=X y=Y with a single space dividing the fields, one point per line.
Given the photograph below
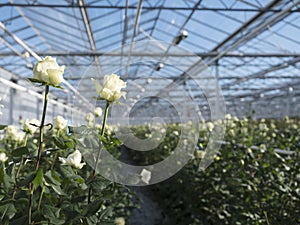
x=48 y=71
x=29 y=126
x=111 y=89
x=145 y=176
x=98 y=112
x=73 y=159
x=3 y=157
x=120 y=221
x=60 y=123
x=14 y=134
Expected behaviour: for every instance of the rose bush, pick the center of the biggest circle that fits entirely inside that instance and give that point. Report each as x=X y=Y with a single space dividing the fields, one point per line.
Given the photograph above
x=43 y=176
x=253 y=180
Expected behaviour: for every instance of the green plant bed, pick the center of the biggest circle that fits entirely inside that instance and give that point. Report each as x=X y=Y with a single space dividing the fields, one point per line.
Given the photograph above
x=251 y=180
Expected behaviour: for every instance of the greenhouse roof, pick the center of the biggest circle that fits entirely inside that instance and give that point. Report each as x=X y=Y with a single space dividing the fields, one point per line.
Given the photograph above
x=250 y=49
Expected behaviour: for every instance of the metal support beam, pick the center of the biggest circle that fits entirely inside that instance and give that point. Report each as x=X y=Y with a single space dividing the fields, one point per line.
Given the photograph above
x=136 y=23
x=89 y=31
x=12 y=92
x=19 y=41
x=169 y=8
x=24 y=56
x=170 y=54
x=248 y=30
x=261 y=74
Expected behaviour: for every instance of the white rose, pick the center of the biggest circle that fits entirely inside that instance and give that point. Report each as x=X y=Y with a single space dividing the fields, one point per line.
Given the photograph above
x=14 y=134
x=294 y=126
x=175 y=132
x=73 y=159
x=48 y=71
x=111 y=89
x=244 y=130
x=263 y=127
x=120 y=221
x=145 y=176
x=3 y=157
x=11 y=130
x=200 y=154
x=90 y=118
x=60 y=123
x=228 y=117
x=29 y=128
x=98 y=112
x=210 y=126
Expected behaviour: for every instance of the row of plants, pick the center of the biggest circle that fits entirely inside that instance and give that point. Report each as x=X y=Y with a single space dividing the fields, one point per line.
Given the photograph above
x=254 y=178
x=45 y=177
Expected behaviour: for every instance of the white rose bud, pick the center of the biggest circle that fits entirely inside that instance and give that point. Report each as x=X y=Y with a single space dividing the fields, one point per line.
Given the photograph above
x=90 y=119
x=120 y=221
x=73 y=159
x=60 y=123
x=29 y=128
x=210 y=126
x=175 y=132
x=98 y=112
x=3 y=157
x=228 y=117
x=200 y=154
x=48 y=71
x=111 y=89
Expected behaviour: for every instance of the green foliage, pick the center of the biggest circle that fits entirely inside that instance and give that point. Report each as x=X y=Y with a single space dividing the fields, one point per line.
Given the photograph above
x=249 y=182
x=60 y=192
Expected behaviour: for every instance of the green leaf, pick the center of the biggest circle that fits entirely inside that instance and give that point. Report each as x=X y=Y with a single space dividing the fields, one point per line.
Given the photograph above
x=117 y=141
x=92 y=208
x=69 y=144
x=67 y=172
x=50 y=179
x=27 y=180
x=107 y=212
x=21 y=220
x=2 y=127
x=52 y=214
x=2 y=171
x=20 y=151
x=59 y=142
x=11 y=170
x=33 y=80
x=4 y=178
x=37 y=181
x=103 y=139
x=58 y=189
x=99 y=183
x=56 y=86
x=7 y=211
